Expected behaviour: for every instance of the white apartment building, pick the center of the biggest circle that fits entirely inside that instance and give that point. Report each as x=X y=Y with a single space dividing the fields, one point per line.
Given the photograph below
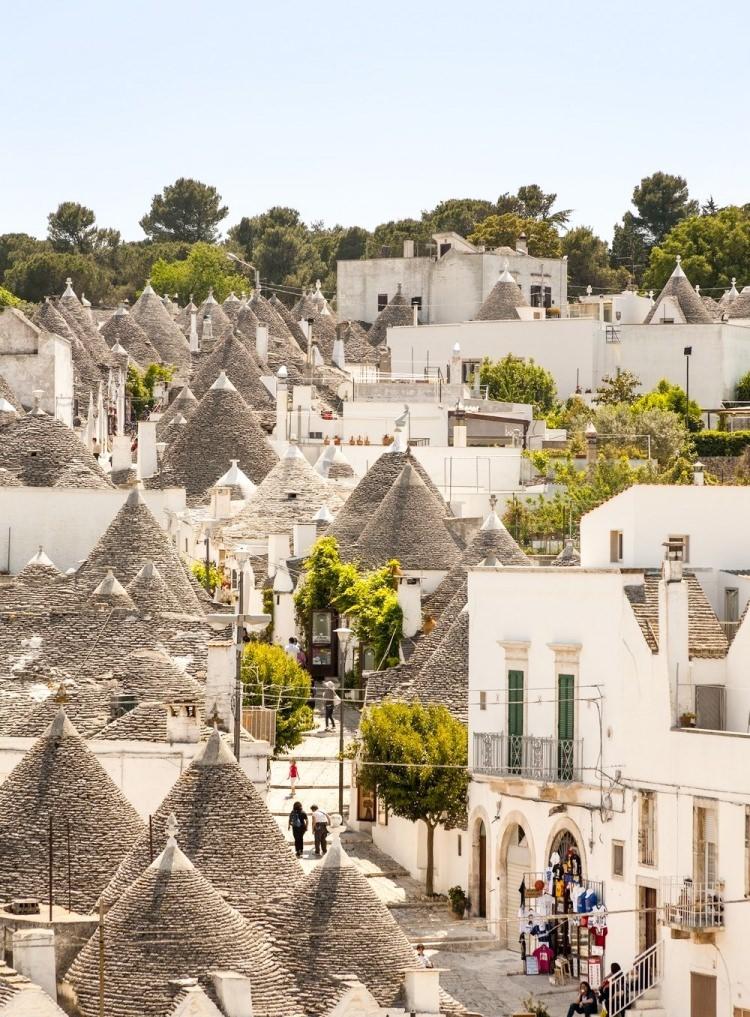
x=608 y=723
x=451 y=283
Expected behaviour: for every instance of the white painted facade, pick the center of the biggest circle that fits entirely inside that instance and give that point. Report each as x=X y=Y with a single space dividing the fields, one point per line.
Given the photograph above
x=67 y=522
x=579 y=352
x=627 y=743
x=34 y=360
x=452 y=285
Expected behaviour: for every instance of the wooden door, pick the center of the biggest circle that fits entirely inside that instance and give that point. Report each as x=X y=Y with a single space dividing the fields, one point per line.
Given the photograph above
x=702 y=995
x=647 y=926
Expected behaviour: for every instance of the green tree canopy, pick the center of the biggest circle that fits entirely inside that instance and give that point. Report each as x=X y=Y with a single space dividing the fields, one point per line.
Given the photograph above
x=416 y=757
x=206 y=267
x=662 y=200
x=714 y=249
x=273 y=678
x=515 y=380
x=44 y=274
x=140 y=385
x=390 y=236
x=185 y=210
x=531 y=202
x=460 y=215
x=7 y=299
x=618 y=388
x=630 y=248
x=588 y=263
x=16 y=247
x=667 y=396
x=71 y=227
x=504 y=230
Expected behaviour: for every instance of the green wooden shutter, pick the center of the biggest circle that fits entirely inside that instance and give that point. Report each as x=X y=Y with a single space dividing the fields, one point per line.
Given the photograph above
x=515 y=703
x=565 y=707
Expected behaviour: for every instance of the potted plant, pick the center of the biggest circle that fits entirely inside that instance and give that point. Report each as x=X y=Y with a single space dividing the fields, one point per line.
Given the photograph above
x=687 y=719
x=534 y=1008
x=458 y=901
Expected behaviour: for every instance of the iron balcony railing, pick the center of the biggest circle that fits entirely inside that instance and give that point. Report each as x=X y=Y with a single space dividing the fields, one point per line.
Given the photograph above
x=689 y=905
x=527 y=756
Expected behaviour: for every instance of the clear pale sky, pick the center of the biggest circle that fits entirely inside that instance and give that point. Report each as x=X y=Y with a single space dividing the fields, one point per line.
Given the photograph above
x=358 y=112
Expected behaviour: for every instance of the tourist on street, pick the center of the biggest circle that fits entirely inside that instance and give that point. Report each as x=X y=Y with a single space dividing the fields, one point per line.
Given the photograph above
x=293 y=776
x=292 y=647
x=329 y=701
x=298 y=826
x=320 y=823
x=586 y=1002
x=422 y=960
x=604 y=988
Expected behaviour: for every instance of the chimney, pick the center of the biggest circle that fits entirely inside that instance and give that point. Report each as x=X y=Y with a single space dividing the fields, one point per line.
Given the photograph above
x=422 y=990
x=195 y=344
x=522 y=244
x=282 y=412
x=456 y=365
x=278 y=551
x=459 y=427
x=674 y=629
x=221 y=502
x=415 y=314
x=233 y=993
x=34 y=957
x=698 y=478
x=317 y=356
x=147 y=460
x=183 y=723
x=283 y=607
x=408 y=248
x=220 y=678
x=207 y=337
x=121 y=455
x=337 y=356
x=261 y=341
x=304 y=536
x=410 y=602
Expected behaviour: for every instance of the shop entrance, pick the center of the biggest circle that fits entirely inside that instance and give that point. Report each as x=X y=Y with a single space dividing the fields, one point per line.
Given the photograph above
x=515 y=862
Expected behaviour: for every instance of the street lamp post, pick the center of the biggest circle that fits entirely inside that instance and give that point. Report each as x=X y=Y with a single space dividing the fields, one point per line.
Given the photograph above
x=246 y=264
x=344 y=635
x=688 y=351
x=240 y=621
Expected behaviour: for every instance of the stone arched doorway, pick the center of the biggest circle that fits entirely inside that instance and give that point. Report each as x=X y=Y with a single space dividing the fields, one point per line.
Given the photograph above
x=515 y=861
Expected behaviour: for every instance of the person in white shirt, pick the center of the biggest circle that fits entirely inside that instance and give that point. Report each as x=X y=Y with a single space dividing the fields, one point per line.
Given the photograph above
x=422 y=960
x=320 y=823
x=292 y=647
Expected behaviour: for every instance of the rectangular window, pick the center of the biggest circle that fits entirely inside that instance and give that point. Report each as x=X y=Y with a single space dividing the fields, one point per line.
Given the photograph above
x=541 y=297
x=482 y=700
x=515 y=721
x=681 y=543
x=565 y=725
x=615 y=545
x=459 y=845
x=647 y=828
x=705 y=844
x=382 y=301
x=618 y=858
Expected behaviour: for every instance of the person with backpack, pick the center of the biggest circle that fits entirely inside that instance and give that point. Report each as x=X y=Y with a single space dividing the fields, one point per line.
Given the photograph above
x=298 y=826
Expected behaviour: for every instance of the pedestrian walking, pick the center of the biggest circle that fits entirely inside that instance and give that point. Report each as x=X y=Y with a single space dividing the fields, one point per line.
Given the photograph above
x=320 y=823
x=293 y=776
x=329 y=702
x=298 y=826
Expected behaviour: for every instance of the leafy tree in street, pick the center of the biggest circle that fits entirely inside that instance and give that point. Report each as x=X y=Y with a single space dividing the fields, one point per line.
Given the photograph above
x=662 y=200
x=416 y=757
x=714 y=249
x=71 y=227
x=271 y=677
x=618 y=388
x=588 y=263
x=504 y=230
x=515 y=380
x=185 y=210
x=206 y=267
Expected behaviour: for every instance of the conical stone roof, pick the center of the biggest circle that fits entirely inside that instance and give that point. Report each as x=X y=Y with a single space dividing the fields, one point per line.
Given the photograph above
x=7 y=393
x=183 y=404
x=122 y=328
x=111 y=594
x=39 y=450
x=370 y=491
x=60 y=777
x=444 y=677
x=502 y=300
x=134 y=539
x=152 y=676
x=221 y=325
x=163 y=333
x=729 y=296
x=76 y=315
x=247 y=322
x=740 y=306
x=231 y=307
x=291 y=322
x=241 y=485
x=409 y=525
x=86 y=373
x=340 y=926
x=88 y=707
x=80 y=475
x=221 y=428
x=678 y=287
x=171 y=922
x=568 y=557
x=150 y=593
x=397 y=311
x=229 y=832
x=242 y=368
x=291 y=493
x=8 y=479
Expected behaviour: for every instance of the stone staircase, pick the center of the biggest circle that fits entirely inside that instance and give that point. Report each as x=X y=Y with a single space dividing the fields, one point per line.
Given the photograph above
x=650 y=1003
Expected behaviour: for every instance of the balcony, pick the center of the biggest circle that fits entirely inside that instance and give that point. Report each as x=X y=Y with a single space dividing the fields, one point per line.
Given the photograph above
x=696 y=908
x=528 y=757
